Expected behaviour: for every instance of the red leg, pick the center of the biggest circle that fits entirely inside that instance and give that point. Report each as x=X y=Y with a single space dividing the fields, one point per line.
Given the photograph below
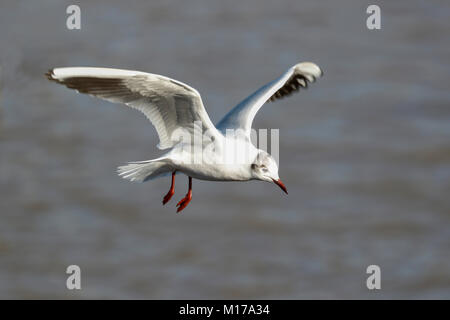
x=185 y=201
x=169 y=194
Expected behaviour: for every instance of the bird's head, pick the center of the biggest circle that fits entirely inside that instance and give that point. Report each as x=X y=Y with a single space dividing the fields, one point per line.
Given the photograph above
x=265 y=168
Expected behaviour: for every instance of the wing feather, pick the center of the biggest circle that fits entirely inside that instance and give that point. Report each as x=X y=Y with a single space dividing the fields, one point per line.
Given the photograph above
x=167 y=103
x=296 y=78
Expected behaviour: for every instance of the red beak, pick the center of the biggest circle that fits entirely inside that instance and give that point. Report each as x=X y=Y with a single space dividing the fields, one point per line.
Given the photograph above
x=280 y=184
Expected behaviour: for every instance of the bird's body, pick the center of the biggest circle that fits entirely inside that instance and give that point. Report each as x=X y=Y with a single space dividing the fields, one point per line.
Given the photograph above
x=196 y=146
x=213 y=165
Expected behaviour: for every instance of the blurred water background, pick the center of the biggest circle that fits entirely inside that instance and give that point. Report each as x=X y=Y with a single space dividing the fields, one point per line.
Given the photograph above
x=365 y=153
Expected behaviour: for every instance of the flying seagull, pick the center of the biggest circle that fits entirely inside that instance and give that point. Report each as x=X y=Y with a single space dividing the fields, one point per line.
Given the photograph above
x=176 y=110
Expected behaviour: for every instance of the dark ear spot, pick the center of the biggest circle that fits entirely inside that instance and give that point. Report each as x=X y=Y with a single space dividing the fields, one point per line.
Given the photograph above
x=253 y=166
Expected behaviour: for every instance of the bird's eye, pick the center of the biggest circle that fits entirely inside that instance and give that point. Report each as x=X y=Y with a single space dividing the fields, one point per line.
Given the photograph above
x=253 y=166
x=265 y=169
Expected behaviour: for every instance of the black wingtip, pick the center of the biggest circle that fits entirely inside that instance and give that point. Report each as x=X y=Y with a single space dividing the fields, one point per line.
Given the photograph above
x=49 y=75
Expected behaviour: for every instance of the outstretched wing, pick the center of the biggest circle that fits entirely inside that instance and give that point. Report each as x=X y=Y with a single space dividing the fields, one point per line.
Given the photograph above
x=167 y=103
x=241 y=116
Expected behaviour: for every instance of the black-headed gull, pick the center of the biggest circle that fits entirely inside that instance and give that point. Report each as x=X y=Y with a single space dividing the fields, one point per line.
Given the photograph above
x=176 y=111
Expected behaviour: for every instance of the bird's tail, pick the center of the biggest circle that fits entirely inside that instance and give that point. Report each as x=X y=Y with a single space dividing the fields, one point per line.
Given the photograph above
x=140 y=171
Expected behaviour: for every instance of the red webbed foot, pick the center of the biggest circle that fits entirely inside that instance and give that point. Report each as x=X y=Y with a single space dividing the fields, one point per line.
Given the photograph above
x=168 y=196
x=184 y=202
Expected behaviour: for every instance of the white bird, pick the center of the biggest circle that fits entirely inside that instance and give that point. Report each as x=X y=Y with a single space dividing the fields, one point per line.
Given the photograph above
x=173 y=107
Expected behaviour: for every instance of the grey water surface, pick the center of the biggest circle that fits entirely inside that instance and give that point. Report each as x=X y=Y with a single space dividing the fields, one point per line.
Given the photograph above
x=364 y=153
